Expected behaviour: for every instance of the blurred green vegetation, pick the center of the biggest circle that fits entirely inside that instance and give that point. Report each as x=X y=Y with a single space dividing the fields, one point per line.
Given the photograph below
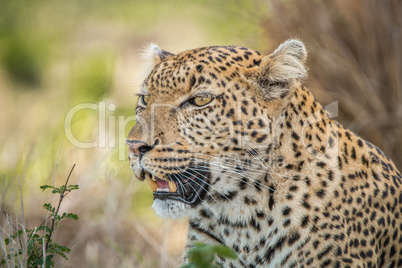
x=204 y=256
x=21 y=60
x=92 y=77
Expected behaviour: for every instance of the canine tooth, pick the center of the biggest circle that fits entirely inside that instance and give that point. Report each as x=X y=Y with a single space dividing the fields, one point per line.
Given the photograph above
x=150 y=182
x=172 y=187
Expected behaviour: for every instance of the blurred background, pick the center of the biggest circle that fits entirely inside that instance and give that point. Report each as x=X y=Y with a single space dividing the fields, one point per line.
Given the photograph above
x=84 y=56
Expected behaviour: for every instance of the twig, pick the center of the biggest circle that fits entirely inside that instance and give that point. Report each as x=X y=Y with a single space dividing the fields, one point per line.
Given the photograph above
x=62 y=195
x=45 y=221
x=8 y=219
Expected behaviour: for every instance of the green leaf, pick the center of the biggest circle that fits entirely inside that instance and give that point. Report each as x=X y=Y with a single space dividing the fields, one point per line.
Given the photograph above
x=72 y=187
x=37 y=261
x=18 y=234
x=48 y=207
x=224 y=251
x=189 y=265
x=44 y=187
x=202 y=255
x=60 y=250
x=200 y=245
x=34 y=237
x=57 y=191
x=49 y=262
x=44 y=228
x=70 y=216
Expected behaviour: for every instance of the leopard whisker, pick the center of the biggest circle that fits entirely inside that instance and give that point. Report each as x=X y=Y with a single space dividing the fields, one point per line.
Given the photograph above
x=199 y=184
x=208 y=183
x=238 y=179
x=180 y=175
x=179 y=182
x=233 y=159
x=257 y=171
x=236 y=171
x=228 y=168
x=252 y=151
x=255 y=153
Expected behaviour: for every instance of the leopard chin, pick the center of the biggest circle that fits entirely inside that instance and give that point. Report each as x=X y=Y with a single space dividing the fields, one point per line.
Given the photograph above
x=171 y=209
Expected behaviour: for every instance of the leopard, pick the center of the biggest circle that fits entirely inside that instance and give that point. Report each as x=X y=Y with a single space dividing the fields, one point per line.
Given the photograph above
x=233 y=141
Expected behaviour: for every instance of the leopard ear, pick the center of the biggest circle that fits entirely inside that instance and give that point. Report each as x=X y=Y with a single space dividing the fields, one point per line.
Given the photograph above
x=152 y=56
x=277 y=71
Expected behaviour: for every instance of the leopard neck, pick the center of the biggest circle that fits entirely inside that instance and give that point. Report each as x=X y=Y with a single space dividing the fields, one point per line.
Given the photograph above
x=306 y=136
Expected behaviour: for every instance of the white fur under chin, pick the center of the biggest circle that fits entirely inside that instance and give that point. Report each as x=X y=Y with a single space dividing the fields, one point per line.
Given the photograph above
x=170 y=208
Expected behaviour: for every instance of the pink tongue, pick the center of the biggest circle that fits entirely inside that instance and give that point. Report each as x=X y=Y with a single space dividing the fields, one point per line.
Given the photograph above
x=162 y=184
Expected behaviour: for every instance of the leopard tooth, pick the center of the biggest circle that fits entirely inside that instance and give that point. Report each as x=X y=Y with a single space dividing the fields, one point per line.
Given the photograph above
x=152 y=184
x=172 y=187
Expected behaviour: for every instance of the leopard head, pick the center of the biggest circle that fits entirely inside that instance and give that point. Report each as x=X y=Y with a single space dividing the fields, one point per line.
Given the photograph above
x=202 y=112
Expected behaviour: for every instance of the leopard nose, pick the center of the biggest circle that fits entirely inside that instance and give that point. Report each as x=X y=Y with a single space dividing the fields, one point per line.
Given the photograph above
x=139 y=147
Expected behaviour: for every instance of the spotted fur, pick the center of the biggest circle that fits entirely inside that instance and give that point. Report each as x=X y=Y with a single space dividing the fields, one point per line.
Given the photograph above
x=286 y=184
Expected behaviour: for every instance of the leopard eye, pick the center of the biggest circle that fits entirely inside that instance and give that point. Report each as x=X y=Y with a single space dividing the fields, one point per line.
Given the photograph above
x=201 y=100
x=145 y=99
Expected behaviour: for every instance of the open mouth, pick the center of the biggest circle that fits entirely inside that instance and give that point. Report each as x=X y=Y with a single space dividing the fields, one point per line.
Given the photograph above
x=189 y=187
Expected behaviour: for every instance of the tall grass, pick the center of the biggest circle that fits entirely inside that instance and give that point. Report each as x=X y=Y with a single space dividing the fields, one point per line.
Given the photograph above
x=355 y=58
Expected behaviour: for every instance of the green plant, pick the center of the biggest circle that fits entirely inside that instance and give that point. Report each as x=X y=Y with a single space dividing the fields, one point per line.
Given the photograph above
x=35 y=247
x=203 y=255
